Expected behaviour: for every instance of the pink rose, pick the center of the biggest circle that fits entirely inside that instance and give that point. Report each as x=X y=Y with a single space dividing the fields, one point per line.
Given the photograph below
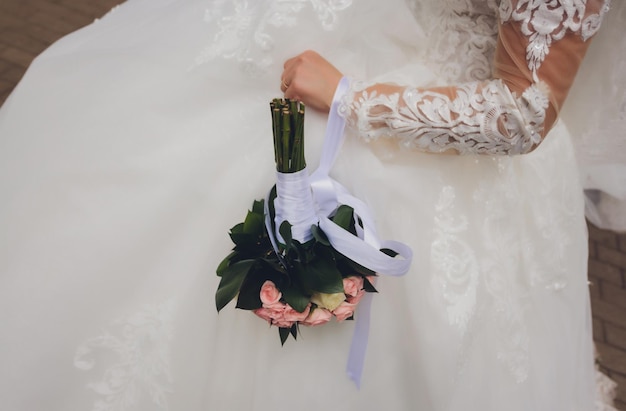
x=292 y=315
x=317 y=317
x=283 y=323
x=265 y=314
x=288 y=316
x=355 y=300
x=352 y=285
x=344 y=311
x=270 y=295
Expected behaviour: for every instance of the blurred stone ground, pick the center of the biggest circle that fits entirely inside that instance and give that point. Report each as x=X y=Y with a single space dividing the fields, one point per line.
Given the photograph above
x=607 y=275
x=27 y=27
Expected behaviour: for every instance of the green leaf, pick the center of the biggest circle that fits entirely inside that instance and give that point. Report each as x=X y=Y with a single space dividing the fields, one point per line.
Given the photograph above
x=284 y=334
x=253 y=224
x=350 y=267
x=231 y=281
x=344 y=217
x=271 y=209
x=285 y=232
x=294 y=331
x=271 y=265
x=296 y=298
x=301 y=250
x=243 y=240
x=236 y=231
x=389 y=252
x=251 y=248
x=321 y=275
x=250 y=292
x=237 y=228
x=258 y=207
x=248 y=235
x=368 y=286
x=319 y=235
x=225 y=263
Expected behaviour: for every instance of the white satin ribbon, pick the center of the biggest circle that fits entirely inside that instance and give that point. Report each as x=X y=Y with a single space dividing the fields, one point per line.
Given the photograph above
x=328 y=194
x=294 y=203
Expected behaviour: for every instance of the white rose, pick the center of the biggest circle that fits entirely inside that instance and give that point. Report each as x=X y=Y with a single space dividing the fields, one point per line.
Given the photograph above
x=328 y=301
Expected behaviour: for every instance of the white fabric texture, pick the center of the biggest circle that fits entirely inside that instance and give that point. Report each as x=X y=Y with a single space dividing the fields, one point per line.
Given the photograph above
x=132 y=146
x=596 y=116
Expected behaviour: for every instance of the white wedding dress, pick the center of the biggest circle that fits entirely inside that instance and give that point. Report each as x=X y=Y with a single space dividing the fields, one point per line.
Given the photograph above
x=132 y=146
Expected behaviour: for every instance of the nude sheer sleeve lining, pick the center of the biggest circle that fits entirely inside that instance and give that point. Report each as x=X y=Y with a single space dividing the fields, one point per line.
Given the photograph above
x=506 y=115
x=478 y=117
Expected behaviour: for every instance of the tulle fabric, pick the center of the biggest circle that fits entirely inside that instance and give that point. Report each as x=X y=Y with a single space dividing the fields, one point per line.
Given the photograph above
x=596 y=113
x=125 y=157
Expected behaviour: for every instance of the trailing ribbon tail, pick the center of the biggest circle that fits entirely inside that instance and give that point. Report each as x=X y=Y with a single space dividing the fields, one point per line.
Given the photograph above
x=329 y=194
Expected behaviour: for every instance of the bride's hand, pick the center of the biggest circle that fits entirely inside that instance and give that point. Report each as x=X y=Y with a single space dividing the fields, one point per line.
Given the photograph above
x=310 y=78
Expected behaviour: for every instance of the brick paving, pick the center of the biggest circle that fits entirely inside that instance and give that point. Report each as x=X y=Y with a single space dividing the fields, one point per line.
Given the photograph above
x=607 y=275
x=27 y=27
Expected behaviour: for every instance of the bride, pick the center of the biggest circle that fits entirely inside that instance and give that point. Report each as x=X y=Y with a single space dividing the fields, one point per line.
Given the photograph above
x=132 y=146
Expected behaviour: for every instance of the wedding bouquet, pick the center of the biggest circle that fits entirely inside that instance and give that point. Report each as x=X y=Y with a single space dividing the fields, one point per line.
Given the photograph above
x=283 y=266
x=309 y=251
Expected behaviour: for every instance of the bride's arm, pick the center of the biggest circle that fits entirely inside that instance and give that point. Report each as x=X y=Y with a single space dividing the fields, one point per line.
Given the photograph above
x=538 y=54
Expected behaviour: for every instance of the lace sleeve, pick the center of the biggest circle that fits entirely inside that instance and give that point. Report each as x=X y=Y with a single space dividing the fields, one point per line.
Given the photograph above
x=540 y=47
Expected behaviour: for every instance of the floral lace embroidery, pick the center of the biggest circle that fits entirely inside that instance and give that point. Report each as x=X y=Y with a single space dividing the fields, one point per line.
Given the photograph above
x=483 y=118
x=141 y=373
x=243 y=27
x=455 y=268
x=545 y=22
x=487 y=291
x=462 y=36
x=503 y=269
x=552 y=224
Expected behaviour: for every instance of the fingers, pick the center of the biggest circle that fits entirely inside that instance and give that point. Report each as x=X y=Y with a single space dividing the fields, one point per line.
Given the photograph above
x=289 y=69
x=310 y=78
x=300 y=63
x=287 y=89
